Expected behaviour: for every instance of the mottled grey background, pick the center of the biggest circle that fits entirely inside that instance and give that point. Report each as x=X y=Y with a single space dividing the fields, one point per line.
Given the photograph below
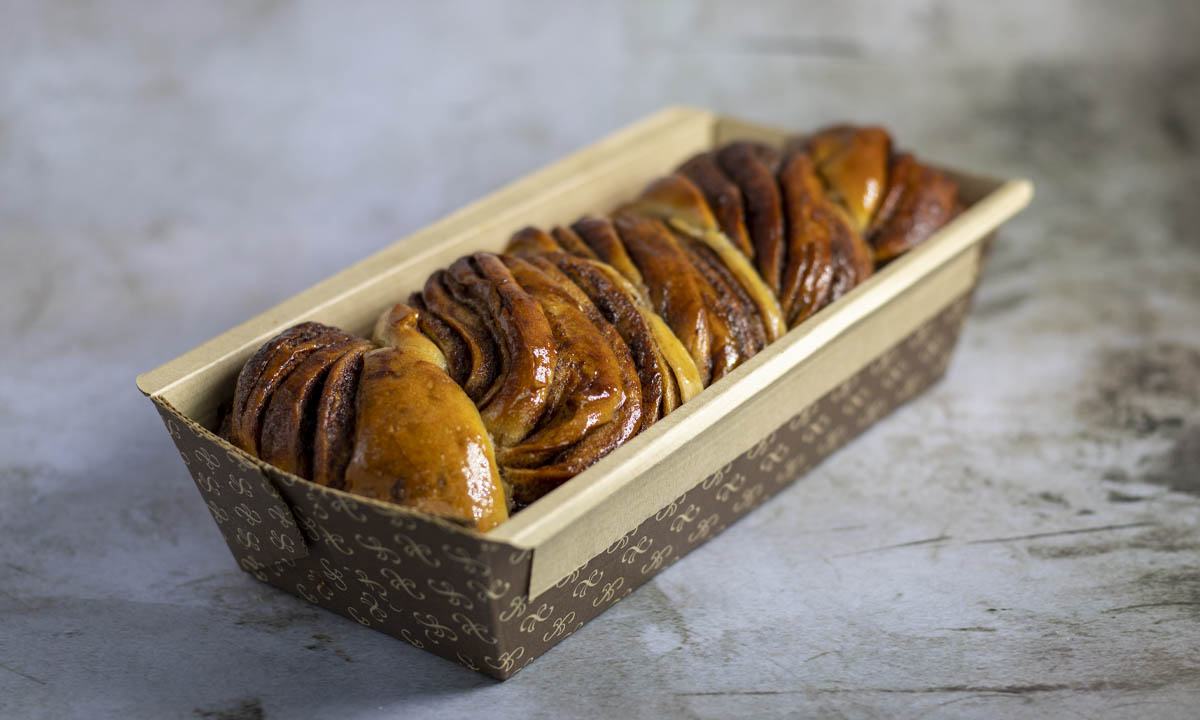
x=1022 y=541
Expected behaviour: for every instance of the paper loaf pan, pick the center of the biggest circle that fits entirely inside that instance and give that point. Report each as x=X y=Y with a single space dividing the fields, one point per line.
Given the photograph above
x=495 y=602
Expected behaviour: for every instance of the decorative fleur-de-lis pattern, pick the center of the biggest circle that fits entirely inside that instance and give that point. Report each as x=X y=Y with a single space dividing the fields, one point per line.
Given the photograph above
x=252 y=517
x=453 y=592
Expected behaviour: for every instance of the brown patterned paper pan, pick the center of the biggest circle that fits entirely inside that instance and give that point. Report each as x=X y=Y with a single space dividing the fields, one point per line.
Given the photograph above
x=458 y=595
x=495 y=602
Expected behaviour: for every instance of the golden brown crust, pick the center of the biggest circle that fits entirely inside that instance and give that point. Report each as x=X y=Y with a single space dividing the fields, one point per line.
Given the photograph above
x=530 y=241
x=399 y=327
x=675 y=293
x=676 y=201
x=744 y=317
x=723 y=196
x=290 y=418
x=264 y=372
x=333 y=431
x=592 y=370
x=601 y=236
x=577 y=268
x=570 y=242
x=595 y=401
x=684 y=381
x=589 y=240
x=628 y=419
x=420 y=442
x=724 y=349
x=453 y=347
x=478 y=358
x=680 y=206
x=766 y=307
x=729 y=322
x=852 y=261
x=750 y=166
x=808 y=275
x=919 y=200
x=853 y=163
x=527 y=351
x=622 y=313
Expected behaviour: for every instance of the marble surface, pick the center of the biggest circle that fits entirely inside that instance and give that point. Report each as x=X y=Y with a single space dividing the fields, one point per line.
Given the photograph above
x=1022 y=541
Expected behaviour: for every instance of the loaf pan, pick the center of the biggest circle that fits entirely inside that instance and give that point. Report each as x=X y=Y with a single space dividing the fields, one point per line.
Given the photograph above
x=494 y=602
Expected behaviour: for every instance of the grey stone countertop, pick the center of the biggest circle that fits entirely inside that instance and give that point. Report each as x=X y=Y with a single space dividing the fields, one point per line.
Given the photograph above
x=1021 y=541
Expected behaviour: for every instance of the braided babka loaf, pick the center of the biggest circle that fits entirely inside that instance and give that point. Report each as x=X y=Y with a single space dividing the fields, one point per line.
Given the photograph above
x=506 y=375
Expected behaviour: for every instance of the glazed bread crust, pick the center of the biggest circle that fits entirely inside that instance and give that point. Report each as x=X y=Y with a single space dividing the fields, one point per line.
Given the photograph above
x=508 y=374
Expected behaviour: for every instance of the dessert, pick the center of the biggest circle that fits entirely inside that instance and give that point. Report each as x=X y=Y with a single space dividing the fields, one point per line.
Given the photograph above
x=508 y=374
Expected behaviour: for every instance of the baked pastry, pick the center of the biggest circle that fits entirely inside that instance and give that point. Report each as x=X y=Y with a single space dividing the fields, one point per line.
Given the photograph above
x=892 y=200
x=681 y=204
x=507 y=374
x=752 y=166
x=808 y=273
x=383 y=420
x=418 y=438
x=918 y=201
x=853 y=163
